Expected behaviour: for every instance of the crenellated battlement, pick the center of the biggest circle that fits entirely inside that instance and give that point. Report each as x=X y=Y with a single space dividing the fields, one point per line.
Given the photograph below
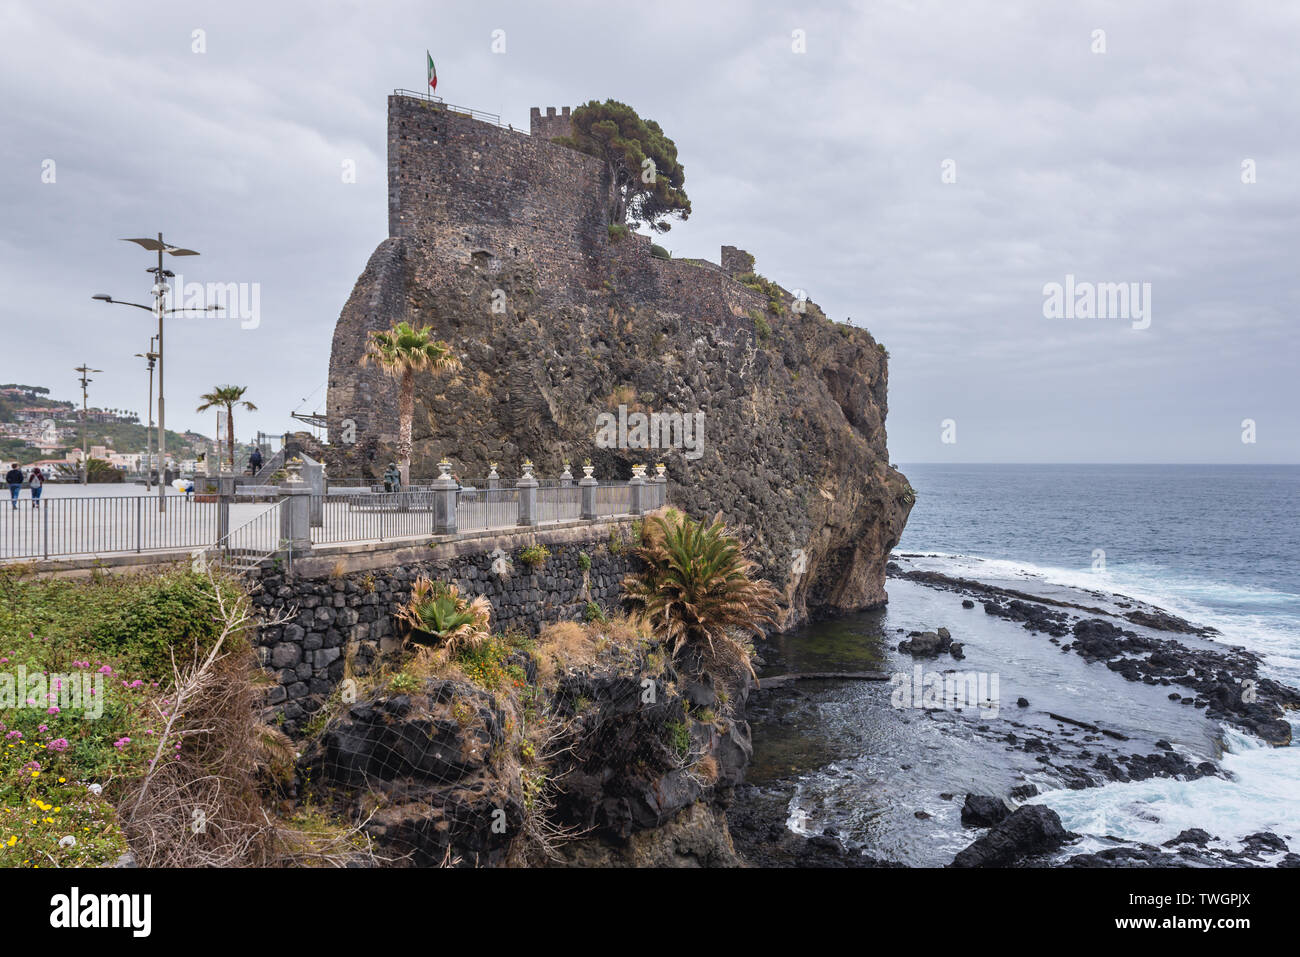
x=551 y=125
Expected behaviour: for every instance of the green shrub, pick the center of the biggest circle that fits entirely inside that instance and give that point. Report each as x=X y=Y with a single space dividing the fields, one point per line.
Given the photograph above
x=584 y=561
x=134 y=619
x=679 y=737
x=658 y=252
x=404 y=683
x=617 y=231
x=535 y=556
x=486 y=665
x=593 y=612
x=125 y=629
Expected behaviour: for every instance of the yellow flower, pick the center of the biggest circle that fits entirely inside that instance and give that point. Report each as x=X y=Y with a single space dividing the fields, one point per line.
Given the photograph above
x=63 y=780
x=13 y=839
x=49 y=820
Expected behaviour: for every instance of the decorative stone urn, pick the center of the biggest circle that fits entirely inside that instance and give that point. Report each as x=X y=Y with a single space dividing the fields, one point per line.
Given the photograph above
x=293 y=471
x=588 y=471
x=528 y=469
x=444 y=470
x=638 y=472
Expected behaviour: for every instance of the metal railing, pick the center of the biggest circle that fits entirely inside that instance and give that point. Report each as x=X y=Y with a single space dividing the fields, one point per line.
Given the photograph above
x=251 y=544
x=439 y=103
x=370 y=516
x=653 y=495
x=480 y=509
x=559 y=504
x=107 y=524
x=613 y=499
x=98 y=525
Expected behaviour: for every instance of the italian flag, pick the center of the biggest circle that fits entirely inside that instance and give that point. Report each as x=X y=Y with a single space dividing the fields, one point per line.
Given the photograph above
x=433 y=73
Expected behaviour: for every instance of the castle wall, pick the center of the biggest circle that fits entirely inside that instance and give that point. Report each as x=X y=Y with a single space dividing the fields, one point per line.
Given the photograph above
x=469 y=186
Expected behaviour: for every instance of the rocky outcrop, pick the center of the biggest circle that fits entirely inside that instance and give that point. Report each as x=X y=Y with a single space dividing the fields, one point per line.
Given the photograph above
x=635 y=772
x=982 y=810
x=499 y=244
x=420 y=773
x=1028 y=830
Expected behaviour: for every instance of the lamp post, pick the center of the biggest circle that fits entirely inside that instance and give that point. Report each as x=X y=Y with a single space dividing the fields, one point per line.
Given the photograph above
x=148 y=443
x=160 y=290
x=85 y=371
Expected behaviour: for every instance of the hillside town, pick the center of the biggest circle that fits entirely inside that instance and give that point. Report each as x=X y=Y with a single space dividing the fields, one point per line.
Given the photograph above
x=38 y=431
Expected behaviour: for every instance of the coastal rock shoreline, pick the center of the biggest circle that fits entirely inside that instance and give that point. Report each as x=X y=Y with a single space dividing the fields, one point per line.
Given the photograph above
x=1080 y=754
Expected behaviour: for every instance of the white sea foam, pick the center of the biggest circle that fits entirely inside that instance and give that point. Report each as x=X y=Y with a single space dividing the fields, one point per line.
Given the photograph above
x=1261 y=620
x=1259 y=796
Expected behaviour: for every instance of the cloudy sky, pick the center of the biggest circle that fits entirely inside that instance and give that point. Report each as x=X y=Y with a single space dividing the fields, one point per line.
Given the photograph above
x=824 y=152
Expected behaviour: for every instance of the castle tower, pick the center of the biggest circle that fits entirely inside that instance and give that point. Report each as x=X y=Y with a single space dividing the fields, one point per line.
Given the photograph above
x=550 y=126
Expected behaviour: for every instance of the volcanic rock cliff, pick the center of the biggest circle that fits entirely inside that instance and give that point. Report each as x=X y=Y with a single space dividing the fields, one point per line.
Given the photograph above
x=499 y=240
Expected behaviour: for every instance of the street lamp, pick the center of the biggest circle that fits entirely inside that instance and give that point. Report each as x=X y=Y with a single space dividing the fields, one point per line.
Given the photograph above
x=85 y=371
x=160 y=290
x=148 y=444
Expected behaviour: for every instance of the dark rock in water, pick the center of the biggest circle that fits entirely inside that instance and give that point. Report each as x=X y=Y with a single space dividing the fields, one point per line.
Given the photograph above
x=1192 y=835
x=944 y=633
x=921 y=815
x=967 y=603
x=1033 y=616
x=946 y=795
x=764 y=843
x=1032 y=829
x=927 y=644
x=981 y=810
x=1022 y=702
x=1264 y=841
x=957 y=650
x=1164 y=745
x=1163 y=621
x=1023 y=792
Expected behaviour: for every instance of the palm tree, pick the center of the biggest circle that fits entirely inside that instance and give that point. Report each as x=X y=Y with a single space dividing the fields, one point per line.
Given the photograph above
x=227 y=397
x=698 y=593
x=400 y=352
x=437 y=616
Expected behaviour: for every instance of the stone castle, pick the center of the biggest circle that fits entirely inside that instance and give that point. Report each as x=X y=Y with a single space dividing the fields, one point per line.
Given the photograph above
x=499 y=239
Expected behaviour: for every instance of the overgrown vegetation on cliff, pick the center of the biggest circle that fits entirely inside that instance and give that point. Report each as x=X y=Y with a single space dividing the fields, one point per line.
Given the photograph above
x=476 y=747
x=129 y=720
x=699 y=591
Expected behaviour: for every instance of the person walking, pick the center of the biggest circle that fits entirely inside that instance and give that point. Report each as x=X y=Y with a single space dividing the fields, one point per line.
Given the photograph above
x=255 y=460
x=14 y=478
x=36 y=482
